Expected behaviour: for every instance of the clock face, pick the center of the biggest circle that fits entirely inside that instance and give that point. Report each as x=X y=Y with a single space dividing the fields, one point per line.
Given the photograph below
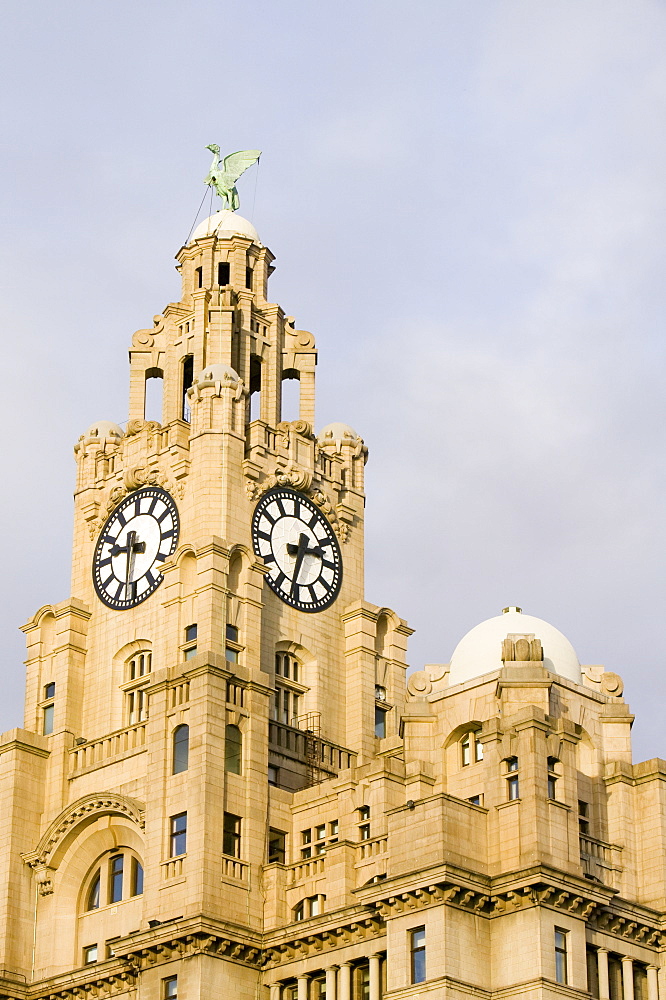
x=139 y=535
x=298 y=546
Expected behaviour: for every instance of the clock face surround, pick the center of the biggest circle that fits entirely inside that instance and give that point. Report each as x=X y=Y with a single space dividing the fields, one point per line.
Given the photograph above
x=300 y=549
x=138 y=536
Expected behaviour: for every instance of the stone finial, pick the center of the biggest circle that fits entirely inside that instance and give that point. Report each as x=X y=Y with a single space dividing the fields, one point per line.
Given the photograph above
x=522 y=649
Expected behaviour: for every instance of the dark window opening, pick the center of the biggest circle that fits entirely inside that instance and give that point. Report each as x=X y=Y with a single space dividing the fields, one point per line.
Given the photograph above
x=277 y=841
x=92 y=902
x=49 y=690
x=231 y=837
x=224 y=273
x=248 y=277
x=190 y=633
x=199 y=277
x=255 y=387
x=560 y=955
x=188 y=379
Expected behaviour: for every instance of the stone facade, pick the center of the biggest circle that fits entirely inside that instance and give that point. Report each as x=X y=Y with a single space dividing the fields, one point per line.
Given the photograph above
x=215 y=794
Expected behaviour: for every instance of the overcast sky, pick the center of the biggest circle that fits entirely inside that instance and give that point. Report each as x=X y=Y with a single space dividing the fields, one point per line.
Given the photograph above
x=467 y=205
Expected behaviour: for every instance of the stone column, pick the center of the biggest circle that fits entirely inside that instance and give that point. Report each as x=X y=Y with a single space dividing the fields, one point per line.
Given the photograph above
x=627 y=978
x=344 y=981
x=653 y=982
x=375 y=978
x=302 y=982
x=275 y=991
x=331 y=980
x=602 y=965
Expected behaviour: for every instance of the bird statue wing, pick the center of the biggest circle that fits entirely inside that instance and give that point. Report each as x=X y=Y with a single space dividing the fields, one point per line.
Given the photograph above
x=235 y=164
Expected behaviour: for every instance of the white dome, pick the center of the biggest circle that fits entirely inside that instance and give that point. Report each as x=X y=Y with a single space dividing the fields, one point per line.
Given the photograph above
x=480 y=651
x=225 y=224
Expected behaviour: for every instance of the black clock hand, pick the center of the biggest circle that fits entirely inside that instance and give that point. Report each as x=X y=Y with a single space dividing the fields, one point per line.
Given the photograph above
x=131 y=548
x=300 y=551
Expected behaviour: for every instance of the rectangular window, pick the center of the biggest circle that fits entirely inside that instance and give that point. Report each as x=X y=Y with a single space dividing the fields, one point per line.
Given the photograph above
x=320 y=831
x=380 y=722
x=583 y=818
x=199 y=277
x=364 y=831
x=560 y=955
x=333 y=828
x=417 y=949
x=248 y=277
x=47 y=724
x=49 y=690
x=231 y=655
x=223 y=272
x=552 y=777
x=465 y=746
x=170 y=988
x=90 y=954
x=277 y=842
x=513 y=789
x=512 y=764
x=190 y=633
x=116 y=879
x=178 y=834
x=231 y=837
x=273 y=775
x=232 y=633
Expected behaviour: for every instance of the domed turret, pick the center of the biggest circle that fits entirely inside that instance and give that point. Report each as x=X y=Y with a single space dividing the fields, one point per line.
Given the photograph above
x=337 y=434
x=481 y=651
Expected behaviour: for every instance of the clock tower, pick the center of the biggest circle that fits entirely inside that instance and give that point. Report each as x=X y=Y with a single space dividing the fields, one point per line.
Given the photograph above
x=217 y=656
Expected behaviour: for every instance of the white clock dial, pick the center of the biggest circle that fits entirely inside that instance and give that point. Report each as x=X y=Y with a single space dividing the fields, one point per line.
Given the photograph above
x=139 y=535
x=298 y=546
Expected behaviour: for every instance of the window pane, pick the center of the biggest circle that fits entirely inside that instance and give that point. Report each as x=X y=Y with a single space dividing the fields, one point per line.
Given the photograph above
x=181 y=748
x=380 y=722
x=49 y=690
x=92 y=902
x=233 y=749
x=137 y=878
x=90 y=954
x=418 y=954
x=478 y=750
x=116 y=879
x=178 y=834
x=190 y=633
x=232 y=633
x=47 y=727
x=276 y=846
x=170 y=991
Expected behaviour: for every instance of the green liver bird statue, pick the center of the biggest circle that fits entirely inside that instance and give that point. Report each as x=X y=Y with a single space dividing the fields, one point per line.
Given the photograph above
x=223 y=178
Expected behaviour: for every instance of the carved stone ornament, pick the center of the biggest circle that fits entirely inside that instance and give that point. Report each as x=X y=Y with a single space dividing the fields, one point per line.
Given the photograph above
x=303 y=427
x=137 y=425
x=300 y=479
x=85 y=809
x=133 y=479
x=612 y=684
x=522 y=649
x=218 y=377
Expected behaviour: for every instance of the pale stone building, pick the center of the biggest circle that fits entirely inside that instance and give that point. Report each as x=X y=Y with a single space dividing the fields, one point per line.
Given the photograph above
x=225 y=785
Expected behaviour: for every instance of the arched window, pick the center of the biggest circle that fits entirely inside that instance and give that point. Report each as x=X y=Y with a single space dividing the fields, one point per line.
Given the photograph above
x=154 y=392
x=116 y=877
x=181 y=748
x=291 y=394
x=288 y=690
x=137 y=679
x=233 y=749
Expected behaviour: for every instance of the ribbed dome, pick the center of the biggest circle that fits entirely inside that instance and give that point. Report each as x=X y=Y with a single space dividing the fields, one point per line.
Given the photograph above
x=480 y=651
x=226 y=224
